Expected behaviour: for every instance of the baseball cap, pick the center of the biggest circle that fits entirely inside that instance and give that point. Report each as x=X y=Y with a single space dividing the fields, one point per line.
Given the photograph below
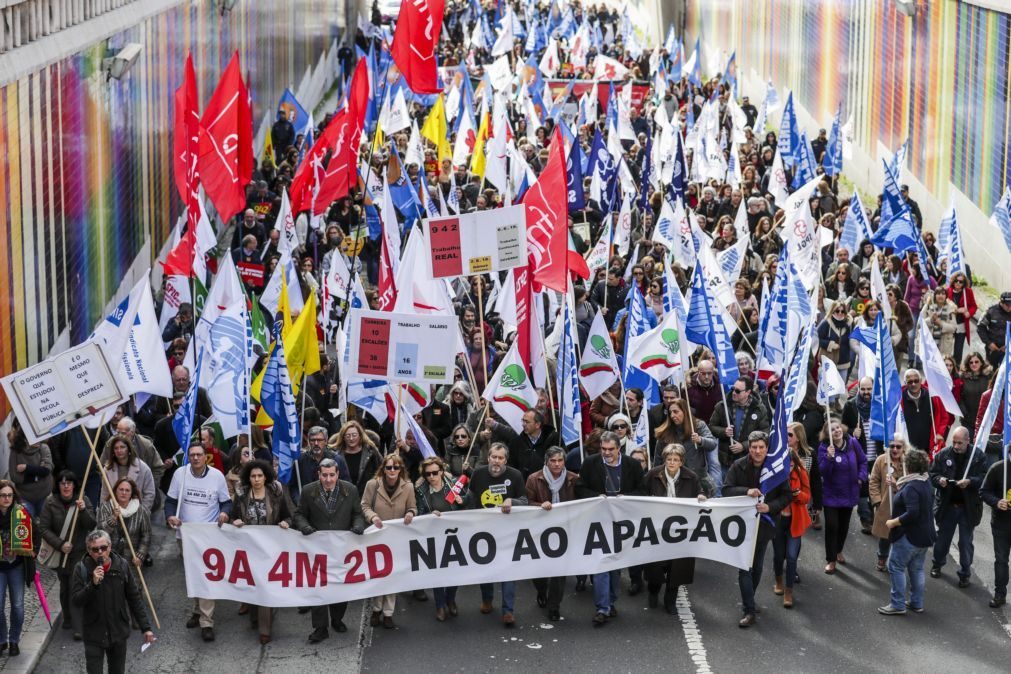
x=1005 y=297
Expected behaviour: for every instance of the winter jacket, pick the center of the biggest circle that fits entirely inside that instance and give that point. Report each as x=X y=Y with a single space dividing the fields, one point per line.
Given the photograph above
x=878 y=489
x=54 y=514
x=946 y=465
x=311 y=513
x=140 y=473
x=593 y=480
x=682 y=570
x=968 y=303
x=992 y=491
x=377 y=502
x=538 y=490
x=831 y=330
x=991 y=330
x=704 y=400
x=106 y=608
x=36 y=482
x=973 y=388
x=914 y=505
x=841 y=475
x=278 y=505
x=755 y=418
x=138 y=525
x=744 y=475
x=800 y=489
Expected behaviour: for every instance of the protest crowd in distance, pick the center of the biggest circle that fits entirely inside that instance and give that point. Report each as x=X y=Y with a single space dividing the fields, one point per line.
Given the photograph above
x=529 y=262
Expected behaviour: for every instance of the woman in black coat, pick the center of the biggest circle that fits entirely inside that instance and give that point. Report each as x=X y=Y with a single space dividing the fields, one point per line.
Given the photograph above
x=672 y=480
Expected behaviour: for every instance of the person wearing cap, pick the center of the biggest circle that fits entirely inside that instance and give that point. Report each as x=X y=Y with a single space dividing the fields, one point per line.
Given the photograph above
x=914 y=208
x=992 y=328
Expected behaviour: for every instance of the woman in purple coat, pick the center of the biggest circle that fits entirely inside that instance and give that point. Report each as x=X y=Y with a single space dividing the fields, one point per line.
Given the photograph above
x=843 y=467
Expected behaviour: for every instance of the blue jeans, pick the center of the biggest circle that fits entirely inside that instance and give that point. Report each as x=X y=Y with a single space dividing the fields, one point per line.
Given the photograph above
x=714 y=470
x=12 y=579
x=508 y=594
x=605 y=590
x=749 y=579
x=447 y=595
x=906 y=557
x=955 y=517
x=785 y=548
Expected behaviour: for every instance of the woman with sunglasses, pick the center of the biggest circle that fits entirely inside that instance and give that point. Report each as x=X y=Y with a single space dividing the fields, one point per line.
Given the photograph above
x=432 y=494
x=975 y=382
x=388 y=496
x=834 y=336
x=459 y=445
x=961 y=295
x=17 y=564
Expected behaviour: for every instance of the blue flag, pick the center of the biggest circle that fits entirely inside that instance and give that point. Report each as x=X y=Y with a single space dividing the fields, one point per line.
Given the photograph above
x=695 y=75
x=602 y=161
x=805 y=163
x=182 y=422
x=574 y=174
x=638 y=323
x=886 y=399
x=949 y=242
x=776 y=468
x=1002 y=216
x=567 y=376
x=856 y=227
x=730 y=72
x=788 y=141
x=705 y=328
x=278 y=401
x=293 y=111
x=832 y=160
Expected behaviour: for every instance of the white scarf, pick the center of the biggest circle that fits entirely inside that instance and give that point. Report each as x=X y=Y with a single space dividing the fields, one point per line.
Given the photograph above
x=672 y=483
x=130 y=508
x=555 y=484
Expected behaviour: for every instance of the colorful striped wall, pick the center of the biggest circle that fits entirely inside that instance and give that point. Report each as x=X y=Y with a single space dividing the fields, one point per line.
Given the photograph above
x=86 y=170
x=940 y=78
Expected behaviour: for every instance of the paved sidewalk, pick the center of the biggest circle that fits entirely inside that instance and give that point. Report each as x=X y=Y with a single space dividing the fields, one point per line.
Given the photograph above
x=36 y=633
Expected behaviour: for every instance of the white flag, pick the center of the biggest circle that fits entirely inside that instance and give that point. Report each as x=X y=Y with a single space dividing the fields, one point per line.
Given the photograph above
x=658 y=352
x=394 y=116
x=939 y=382
x=598 y=369
x=510 y=391
x=550 y=61
x=606 y=68
x=830 y=382
x=778 y=187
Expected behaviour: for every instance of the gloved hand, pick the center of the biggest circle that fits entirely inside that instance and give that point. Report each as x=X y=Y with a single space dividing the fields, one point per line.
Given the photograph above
x=308 y=530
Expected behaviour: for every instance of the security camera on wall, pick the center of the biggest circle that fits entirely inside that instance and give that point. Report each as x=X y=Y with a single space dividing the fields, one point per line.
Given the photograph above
x=907 y=7
x=117 y=66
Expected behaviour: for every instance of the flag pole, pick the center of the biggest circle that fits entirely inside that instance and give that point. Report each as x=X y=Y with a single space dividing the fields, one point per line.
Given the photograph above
x=84 y=482
x=301 y=426
x=547 y=384
x=480 y=316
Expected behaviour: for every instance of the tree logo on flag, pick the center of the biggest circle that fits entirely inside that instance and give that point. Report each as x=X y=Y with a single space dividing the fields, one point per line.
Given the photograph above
x=514 y=379
x=671 y=341
x=601 y=350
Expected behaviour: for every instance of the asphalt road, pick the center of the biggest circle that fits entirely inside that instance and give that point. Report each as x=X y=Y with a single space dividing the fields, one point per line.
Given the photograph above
x=833 y=628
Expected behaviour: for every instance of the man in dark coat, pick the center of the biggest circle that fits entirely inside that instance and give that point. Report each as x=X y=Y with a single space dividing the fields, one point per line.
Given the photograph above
x=743 y=480
x=992 y=327
x=526 y=449
x=747 y=414
x=282 y=136
x=104 y=588
x=328 y=505
x=957 y=474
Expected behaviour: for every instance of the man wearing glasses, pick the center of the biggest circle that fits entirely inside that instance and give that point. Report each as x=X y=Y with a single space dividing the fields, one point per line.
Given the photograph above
x=926 y=419
x=104 y=588
x=747 y=415
x=198 y=493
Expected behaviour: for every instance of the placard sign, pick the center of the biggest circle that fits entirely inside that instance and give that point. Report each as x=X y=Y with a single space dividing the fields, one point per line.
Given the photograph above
x=60 y=392
x=479 y=242
x=402 y=347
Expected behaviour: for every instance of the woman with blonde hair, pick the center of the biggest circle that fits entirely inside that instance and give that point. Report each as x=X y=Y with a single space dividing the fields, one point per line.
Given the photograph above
x=433 y=497
x=358 y=451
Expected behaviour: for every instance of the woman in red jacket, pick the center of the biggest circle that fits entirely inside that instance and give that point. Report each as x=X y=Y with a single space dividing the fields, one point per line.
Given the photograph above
x=961 y=294
x=793 y=522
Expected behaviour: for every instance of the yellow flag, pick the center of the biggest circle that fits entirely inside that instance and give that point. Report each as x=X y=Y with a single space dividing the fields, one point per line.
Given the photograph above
x=286 y=327
x=268 y=148
x=301 y=347
x=377 y=140
x=434 y=129
x=478 y=160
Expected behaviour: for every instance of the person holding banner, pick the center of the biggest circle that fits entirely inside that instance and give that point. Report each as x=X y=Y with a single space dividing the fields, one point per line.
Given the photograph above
x=608 y=473
x=671 y=479
x=436 y=493
x=995 y=494
x=262 y=501
x=328 y=504
x=552 y=484
x=497 y=485
x=389 y=495
x=59 y=531
x=743 y=479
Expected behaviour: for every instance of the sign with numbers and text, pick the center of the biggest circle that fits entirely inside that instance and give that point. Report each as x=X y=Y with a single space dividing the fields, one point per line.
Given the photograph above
x=403 y=347
x=476 y=243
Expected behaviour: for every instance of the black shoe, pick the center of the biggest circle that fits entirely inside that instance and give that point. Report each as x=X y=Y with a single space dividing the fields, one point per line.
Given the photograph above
x=3 y=646
x=194 y=621
x=654 y=599
x=613 y=613
x=419 y=595
x=935 y=572
x=148 y=562
x=635 y=588
x=796 y=579
x=207 y=633
x=77 y=636
x=670 y=602
x=963 y=581
x=580 y=583
x=747 y=621
x=339 y=626
x=996 y=602
x=865 y=528
x=67 y=623
x=318 y=636
x=599 y=619
x=542 y=599
x=554 y=616
x=14 y=651
x=303 y=610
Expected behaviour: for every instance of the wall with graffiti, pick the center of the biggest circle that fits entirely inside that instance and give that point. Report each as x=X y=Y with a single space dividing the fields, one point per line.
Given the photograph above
x=939 y=78
x=86 y=171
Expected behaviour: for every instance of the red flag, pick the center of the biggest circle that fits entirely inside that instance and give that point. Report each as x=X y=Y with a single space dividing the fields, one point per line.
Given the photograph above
x=524 y=300
x=179 y=261
x=343 y=167
x=226 y=143
x=574 y=261
x=415 y=43
x=186 y=136
x=387 y=286
x=547 y=206
x=306 y=179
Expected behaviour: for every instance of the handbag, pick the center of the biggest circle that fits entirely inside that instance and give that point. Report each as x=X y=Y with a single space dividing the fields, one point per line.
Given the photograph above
x=50 y=557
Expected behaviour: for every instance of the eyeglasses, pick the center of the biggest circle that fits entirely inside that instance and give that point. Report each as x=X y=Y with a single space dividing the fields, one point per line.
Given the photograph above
x=432 y=473
x=6 y=495
x=958 y=281
x=197 y=456
x=735 y=391
x=913 y=381
x=461 y=436
x=789 y=434
x=895 y=446
x=619 y=427
x=391 y=469
x=99 y=548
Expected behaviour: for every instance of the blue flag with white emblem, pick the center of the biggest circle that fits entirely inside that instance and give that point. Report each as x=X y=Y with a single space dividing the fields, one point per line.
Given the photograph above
x=703 y=327
x=574 y=174
x=638 y=323
x=856 y=228
x=278 y=401
x=567 y=377
x=831 y=161
x=776 y=468
x=789 y=138
x=1001 y=218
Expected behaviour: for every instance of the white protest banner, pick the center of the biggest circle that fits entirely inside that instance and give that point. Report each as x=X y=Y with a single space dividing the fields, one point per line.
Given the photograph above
x=403 y=347
x=479 y=242
x=269 y=566
x=61 y=392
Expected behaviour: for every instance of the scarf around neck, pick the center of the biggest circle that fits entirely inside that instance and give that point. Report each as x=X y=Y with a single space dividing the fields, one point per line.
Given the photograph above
x=555 y=484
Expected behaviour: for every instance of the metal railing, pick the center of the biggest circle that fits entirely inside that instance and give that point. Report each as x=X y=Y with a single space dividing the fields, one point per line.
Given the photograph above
x=25 y=21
